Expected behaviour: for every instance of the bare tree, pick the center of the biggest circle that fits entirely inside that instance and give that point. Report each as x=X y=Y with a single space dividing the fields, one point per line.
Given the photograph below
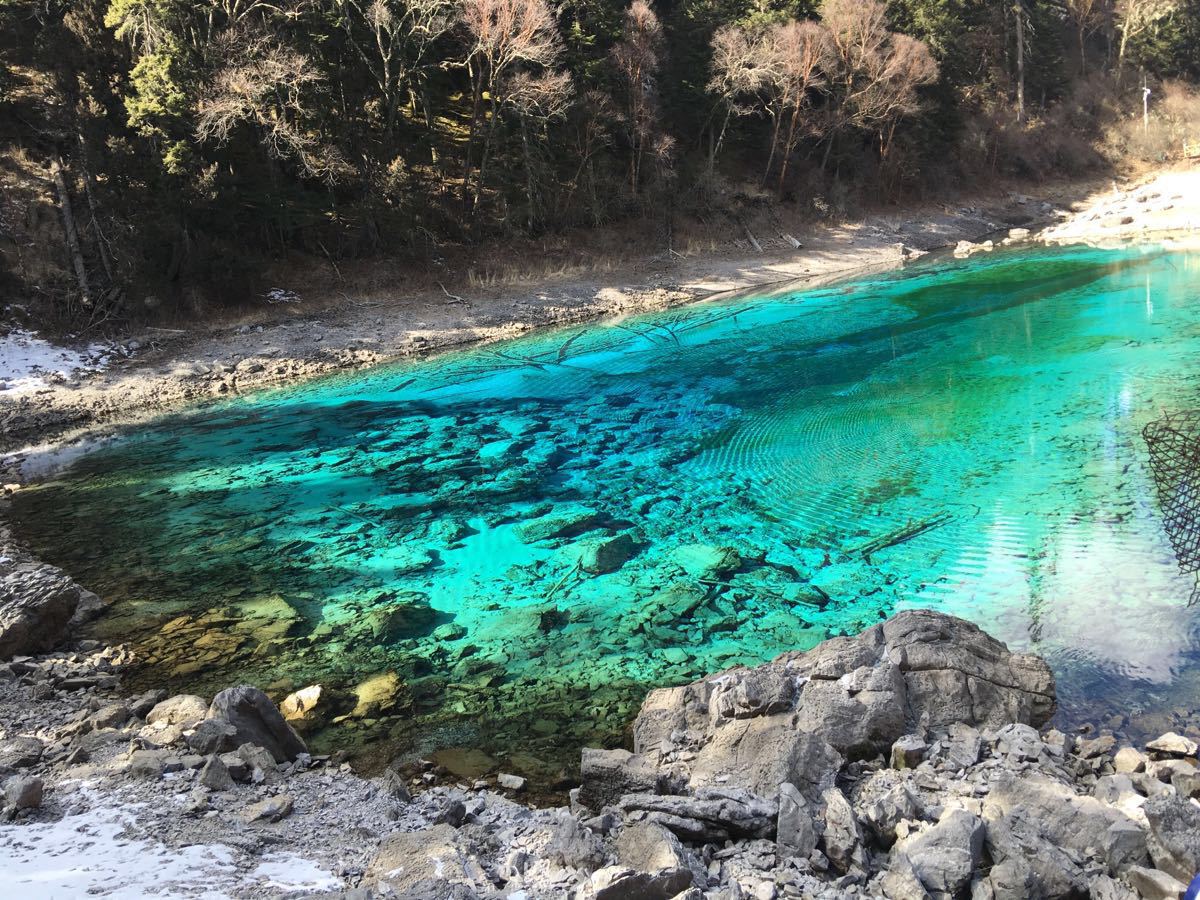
x=1089 y=17
x=394 y=39
x=797 y=55
x=264 y=87
x=504 y=36
x=875 y=74
x=636 y=57
x=739 y=73
x=1135 y=18
x=536 y=100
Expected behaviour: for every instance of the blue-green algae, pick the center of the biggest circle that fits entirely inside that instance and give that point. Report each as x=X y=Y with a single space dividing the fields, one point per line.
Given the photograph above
x=963 y=436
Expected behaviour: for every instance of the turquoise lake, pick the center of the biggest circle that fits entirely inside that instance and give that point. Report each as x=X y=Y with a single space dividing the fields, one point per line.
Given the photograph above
x=496 y=552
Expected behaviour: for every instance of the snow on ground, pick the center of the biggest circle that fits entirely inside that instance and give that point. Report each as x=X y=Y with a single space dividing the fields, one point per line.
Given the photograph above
x=27 y=362
x=84 y=854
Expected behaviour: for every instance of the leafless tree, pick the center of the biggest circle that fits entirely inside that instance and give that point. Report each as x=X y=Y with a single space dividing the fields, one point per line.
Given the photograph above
x=535 y=101
x=797 y=54
x=1089 y=17
x=1136 y=17
x=394 y=39
x=504 y=36
x=875 y=74
x=637 y=59
x=264 y=87
x=739 y=74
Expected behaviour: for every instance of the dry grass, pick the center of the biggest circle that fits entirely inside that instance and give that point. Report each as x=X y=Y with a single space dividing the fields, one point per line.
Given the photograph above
x=1173 y=122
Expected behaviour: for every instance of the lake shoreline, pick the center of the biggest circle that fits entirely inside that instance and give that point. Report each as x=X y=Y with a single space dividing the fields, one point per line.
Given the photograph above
x=159 y=370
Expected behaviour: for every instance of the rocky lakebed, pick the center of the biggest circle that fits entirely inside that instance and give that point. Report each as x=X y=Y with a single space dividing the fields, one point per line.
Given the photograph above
x=910 y=761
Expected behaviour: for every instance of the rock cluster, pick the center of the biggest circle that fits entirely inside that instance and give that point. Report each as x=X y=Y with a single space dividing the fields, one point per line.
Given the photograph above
x=902 y=763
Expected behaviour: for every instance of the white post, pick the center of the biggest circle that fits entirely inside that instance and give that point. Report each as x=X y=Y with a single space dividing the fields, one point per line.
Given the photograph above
x=1145 y=106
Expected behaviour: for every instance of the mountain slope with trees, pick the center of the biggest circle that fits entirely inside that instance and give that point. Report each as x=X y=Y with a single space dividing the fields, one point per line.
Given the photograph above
x=166 y=147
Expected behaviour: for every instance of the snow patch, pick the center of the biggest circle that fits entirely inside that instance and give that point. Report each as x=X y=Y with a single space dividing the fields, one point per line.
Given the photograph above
x=90 y=854
x=28 y=362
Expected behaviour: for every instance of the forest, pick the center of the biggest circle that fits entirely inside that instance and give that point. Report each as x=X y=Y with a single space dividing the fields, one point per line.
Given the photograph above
x=179 y=142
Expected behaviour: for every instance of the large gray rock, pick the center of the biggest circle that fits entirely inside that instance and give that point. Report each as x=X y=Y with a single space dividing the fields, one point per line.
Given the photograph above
x=1174 y=841
x=36 y=605
x=796 y=719
x=256 y=720
x=429 y=862
x=1064 y=820
x=945 y=856
x=183 y=709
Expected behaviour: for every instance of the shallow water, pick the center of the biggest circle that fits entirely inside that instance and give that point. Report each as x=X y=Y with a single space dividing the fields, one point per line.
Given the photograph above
x=964 y=436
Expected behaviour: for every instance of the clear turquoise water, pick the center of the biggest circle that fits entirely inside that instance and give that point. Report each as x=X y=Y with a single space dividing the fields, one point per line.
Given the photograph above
x=963 y=436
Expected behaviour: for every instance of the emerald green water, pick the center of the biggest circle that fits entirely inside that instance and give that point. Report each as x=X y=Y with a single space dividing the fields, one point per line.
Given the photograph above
x=963 y=436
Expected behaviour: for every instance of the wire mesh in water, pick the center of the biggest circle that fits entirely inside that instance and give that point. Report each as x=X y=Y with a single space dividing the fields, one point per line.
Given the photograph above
x=1174 y=445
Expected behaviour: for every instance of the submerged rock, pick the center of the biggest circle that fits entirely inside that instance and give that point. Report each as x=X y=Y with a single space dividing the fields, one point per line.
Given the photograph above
x=606 y=554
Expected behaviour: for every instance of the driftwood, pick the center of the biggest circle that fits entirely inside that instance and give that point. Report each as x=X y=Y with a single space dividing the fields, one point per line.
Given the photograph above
x=902 y=535
x=454 y=298
x=68 y=217
x=753 y=240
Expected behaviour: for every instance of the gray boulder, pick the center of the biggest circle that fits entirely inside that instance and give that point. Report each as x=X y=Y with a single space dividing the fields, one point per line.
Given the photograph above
x=1174 y=840
x=23 y=792
x=184 y=710
x=256 y=720
x=651 y=848
x=945 y=856
x=36 y=605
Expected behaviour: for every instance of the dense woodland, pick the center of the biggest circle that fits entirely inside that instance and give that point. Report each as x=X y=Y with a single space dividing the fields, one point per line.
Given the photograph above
x=182 y=140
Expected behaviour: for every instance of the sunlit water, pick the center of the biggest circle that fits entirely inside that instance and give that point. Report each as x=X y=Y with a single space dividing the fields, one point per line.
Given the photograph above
x=963 y=436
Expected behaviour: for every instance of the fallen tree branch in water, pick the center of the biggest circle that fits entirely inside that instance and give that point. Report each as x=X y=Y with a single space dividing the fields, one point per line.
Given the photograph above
x=901 y=535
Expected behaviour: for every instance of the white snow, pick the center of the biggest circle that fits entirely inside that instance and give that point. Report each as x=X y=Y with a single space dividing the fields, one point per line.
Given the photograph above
x=27 y=361
x=83 y=854
x=288 y=872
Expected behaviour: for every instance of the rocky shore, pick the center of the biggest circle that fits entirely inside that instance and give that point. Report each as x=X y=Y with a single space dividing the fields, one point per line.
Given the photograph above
x=910 y=761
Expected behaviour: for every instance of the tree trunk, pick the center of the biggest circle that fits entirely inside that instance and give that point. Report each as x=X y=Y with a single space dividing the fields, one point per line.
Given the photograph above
x=72 y=235
x=1020 y=15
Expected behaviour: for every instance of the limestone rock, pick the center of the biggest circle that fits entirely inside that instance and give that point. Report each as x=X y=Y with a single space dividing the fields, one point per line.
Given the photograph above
x=406 y=616
x=575 y=846
x=908 y=751
x=1128 y=760
x=1174 y=840
x=23 y=792
x=215 y=775
x=19 y=753
x=430 y=860
x=620 y=883
x=212 y=736
x=606 y=555
x=945 y=856
x=1172 y=744
x=256 y=720
x=609 y=774
x=842 y=840
x=511 y=782
x=184 y=710
x=1152 y=884
x=651 y=848
x=798 y=717
x=36 y=605
x=711 y=815
x=707 y=561
x=796 y=831
x=272 y=809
